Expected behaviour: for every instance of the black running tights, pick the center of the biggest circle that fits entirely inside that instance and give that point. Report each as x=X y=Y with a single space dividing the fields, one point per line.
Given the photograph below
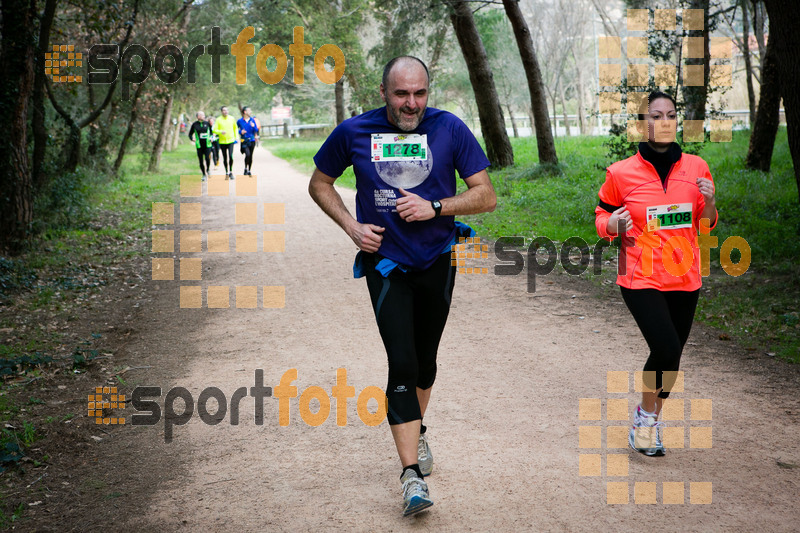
x=665 y=319
x=411 y=309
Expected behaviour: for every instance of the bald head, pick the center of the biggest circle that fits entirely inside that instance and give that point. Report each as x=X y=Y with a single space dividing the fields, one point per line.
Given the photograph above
x=402 y=63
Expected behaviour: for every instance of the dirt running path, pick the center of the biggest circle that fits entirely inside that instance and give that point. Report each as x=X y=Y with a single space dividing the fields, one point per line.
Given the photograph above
x=504 y=419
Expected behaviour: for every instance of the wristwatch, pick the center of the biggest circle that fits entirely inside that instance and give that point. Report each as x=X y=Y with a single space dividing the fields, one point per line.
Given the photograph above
x=437 y=207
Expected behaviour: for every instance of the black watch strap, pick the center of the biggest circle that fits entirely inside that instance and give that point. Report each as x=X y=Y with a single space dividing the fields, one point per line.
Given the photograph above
x=437 y=207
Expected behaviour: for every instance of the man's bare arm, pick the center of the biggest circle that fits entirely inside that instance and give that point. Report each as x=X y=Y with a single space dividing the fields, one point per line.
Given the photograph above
x=478 y=198
x=366 y=236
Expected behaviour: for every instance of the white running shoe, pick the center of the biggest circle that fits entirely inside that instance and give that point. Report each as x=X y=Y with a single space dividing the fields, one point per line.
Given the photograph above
x=645 y=434
x=424 y=455
x=660 y=450
x=415 y=493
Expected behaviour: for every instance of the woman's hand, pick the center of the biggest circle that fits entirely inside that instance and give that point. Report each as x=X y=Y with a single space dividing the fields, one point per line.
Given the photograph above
x=706 y=187
x=622 y=216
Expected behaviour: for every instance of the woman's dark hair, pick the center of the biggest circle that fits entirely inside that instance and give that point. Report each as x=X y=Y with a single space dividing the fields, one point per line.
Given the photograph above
x=655 y=95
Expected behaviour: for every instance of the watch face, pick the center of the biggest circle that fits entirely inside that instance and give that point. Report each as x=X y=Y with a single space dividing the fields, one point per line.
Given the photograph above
x=437 y=204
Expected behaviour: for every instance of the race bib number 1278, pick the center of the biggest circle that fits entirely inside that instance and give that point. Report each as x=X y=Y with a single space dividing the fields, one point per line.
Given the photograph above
x=393 y=147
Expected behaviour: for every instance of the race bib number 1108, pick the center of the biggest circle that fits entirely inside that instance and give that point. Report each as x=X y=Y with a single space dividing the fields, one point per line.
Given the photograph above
x=675 y=216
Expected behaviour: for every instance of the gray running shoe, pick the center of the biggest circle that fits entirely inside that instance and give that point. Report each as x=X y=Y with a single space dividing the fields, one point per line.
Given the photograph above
x=424 y=455
x=659 y=445
x=415 y=493
x=645 y=434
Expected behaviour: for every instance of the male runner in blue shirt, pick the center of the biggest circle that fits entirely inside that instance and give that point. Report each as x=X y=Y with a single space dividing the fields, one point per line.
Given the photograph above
x=405 y=157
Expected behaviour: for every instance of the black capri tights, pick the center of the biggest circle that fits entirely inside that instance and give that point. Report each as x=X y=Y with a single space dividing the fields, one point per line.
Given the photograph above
x=665 y=319
x=411 y=309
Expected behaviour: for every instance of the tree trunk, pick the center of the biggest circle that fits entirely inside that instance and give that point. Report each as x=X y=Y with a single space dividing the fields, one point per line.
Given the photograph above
x=16 y=88
x=493 y=128
x=531 y=118
x=176 y=133
x=107 y=125
x=439 y=40
x=158 y=147
x=513 y=122
x=581 y=108
x=783 y=17
x=129 y=131
x=758 y=31
x=748 y=64
x=74 y=143
x=338 y=93
x=544 y=137
x=563 y=107
x=555 y=117
x=764 y=129
x=92 y=134
x=38 y=127
x=695 y=96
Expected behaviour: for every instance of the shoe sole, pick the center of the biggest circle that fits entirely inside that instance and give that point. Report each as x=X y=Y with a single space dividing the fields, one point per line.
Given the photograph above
x=416 y=505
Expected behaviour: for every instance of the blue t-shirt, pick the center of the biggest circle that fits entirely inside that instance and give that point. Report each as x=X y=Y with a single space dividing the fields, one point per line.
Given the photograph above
x=448 y=146
x=247 y=129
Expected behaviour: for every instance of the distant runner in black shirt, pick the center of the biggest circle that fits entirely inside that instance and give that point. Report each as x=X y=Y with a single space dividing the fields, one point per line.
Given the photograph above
x=200 y=133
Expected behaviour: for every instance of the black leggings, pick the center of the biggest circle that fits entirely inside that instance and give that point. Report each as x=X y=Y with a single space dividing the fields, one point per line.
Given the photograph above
x=665 y=319
x=227 y=152
x=411 y=309
x=204 y=153
x=247 y=150
x=215 y=152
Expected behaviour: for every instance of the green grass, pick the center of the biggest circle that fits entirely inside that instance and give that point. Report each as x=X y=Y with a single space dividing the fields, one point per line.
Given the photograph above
x=88 y=230
x=760 y=310
x=301 y=155
x=71 y=261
